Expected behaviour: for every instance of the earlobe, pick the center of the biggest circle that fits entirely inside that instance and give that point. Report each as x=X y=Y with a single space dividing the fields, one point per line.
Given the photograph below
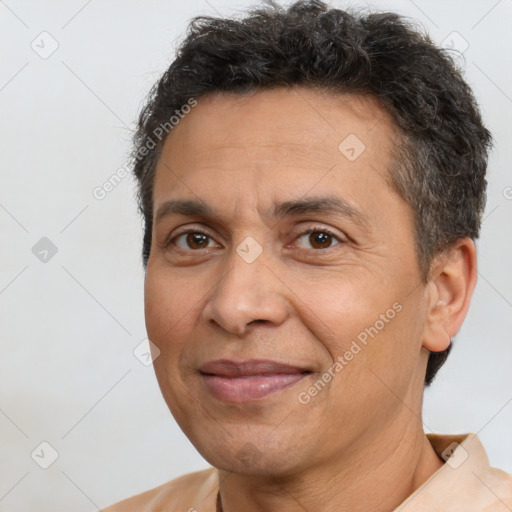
x=449 y=292
x=437 y=337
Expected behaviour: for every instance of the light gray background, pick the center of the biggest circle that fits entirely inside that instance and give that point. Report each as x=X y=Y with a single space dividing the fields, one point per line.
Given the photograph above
x=70 y=325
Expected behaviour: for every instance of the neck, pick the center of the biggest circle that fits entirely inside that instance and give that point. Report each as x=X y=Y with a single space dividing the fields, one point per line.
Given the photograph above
x=377 y=478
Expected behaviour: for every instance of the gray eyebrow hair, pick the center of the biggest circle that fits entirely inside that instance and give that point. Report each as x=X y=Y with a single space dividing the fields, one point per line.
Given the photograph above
x=315 y=204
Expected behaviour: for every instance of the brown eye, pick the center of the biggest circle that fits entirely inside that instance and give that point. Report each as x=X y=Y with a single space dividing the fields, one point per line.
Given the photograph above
x=317 y=239
x=320 y=240
x=197 y=240
x=193 y=240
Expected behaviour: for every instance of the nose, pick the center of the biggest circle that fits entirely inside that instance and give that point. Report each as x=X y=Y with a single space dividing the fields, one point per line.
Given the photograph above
x=247 y=294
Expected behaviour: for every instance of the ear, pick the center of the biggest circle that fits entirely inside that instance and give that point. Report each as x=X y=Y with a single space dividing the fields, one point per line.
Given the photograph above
x=449 y=291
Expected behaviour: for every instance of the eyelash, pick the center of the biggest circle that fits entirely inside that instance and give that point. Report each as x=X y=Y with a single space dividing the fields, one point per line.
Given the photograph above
x=320 y=230
x=306 y=232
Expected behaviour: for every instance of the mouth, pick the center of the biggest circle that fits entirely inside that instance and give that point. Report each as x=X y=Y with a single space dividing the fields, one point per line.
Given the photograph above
x=246 y=381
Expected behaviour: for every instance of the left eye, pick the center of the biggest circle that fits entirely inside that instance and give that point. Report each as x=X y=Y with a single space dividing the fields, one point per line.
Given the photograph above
x=317 y=239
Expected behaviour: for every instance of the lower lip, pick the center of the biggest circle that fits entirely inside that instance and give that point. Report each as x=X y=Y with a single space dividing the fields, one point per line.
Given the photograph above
x=245 y=389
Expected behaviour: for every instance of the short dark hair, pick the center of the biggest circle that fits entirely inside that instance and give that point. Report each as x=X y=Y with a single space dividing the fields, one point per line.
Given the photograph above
x=441 y=155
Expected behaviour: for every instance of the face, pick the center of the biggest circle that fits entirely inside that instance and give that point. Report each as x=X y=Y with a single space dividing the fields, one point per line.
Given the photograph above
x=283 y=288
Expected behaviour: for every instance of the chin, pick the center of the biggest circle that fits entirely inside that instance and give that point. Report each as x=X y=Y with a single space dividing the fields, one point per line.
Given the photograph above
x=251 y=454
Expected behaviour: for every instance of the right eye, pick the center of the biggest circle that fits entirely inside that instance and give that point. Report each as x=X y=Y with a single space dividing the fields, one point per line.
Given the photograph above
x=192 y=240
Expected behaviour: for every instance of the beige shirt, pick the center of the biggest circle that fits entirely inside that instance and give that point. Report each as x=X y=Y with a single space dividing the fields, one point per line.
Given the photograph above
x=465 y=483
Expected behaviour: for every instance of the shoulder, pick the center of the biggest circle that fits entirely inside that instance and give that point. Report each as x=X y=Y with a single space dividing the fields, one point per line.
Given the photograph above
x=192 y=492
x=498 y=487
x=466 y=481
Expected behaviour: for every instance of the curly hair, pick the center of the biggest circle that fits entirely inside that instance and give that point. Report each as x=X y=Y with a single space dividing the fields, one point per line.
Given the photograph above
x=441 y=157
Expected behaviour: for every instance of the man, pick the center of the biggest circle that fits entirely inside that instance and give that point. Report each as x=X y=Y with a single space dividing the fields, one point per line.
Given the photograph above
x=312 y=182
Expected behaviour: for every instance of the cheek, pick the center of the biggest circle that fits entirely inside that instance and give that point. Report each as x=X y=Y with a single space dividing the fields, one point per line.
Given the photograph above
x=339 y=309
x=391 y=347
x=169 y=309
x=370 y=327
x=169 y=312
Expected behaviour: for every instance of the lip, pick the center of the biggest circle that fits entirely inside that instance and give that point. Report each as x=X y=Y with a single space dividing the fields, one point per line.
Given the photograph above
x=245 y=381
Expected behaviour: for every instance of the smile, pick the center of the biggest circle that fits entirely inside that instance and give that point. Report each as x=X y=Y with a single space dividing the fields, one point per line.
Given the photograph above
x=249 y=380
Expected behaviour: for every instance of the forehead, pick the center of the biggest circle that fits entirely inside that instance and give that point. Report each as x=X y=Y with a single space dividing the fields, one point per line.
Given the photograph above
x=302 y=133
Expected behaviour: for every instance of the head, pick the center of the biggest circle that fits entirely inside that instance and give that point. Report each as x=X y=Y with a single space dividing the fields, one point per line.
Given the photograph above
x=263 y=129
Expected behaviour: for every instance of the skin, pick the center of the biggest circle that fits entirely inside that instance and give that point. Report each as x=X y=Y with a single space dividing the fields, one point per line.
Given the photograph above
x=359 y=443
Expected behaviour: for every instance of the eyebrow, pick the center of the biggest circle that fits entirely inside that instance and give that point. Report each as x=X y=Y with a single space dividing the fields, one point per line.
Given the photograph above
x=316 y=204
x=187 y=207
x=321 y=204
